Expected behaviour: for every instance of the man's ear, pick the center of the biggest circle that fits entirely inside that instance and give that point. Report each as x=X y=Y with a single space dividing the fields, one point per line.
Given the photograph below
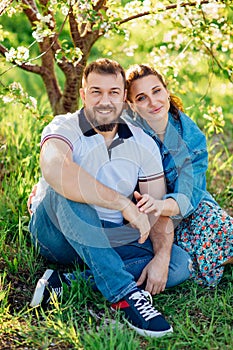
x=125 y=96
x=82 y=95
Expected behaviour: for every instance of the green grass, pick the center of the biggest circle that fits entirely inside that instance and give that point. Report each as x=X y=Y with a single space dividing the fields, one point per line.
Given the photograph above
x=202 y=318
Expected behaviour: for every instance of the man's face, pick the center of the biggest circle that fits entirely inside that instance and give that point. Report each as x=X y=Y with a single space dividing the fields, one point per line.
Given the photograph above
x=103 y=96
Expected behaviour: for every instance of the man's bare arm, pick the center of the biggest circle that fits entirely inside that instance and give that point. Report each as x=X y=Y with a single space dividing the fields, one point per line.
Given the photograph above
x=73 y=182
x=155 y=274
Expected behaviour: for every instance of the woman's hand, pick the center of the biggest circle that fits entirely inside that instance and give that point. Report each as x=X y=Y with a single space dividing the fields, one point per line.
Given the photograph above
x=148 y=204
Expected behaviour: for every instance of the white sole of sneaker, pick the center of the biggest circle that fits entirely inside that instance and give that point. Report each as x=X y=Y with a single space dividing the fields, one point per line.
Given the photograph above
x=40 y=287
x=147 y=333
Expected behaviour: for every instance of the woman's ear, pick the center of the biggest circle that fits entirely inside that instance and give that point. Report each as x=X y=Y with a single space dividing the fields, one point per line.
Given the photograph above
x=130 y=104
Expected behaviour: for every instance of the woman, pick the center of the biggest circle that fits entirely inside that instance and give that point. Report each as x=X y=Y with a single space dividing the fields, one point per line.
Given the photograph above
x=202 y=228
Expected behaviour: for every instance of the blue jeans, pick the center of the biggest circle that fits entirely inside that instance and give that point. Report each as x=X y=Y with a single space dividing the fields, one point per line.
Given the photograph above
x=70 y=232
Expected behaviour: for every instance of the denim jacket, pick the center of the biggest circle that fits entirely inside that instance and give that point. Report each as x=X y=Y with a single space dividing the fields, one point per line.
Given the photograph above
x=185 y=161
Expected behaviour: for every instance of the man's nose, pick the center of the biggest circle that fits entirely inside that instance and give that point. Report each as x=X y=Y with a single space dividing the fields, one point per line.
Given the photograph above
x=105 y=98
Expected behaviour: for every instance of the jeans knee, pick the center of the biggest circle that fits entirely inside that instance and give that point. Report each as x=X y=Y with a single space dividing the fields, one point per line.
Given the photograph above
x=180 y=268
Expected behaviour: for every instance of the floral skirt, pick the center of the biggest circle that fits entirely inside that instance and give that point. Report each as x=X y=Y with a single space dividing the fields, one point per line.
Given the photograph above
x=207 y=235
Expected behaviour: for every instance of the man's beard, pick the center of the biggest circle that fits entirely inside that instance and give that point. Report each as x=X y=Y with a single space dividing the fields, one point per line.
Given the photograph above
x=105 y=127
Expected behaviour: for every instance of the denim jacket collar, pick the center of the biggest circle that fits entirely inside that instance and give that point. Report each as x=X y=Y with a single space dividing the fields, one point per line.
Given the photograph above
x=171 y=140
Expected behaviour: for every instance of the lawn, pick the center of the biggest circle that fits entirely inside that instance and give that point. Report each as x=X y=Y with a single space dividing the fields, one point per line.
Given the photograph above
x=201 y=318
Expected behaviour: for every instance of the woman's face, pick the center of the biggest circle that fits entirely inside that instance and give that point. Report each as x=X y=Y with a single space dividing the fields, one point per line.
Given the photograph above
x=150 y=99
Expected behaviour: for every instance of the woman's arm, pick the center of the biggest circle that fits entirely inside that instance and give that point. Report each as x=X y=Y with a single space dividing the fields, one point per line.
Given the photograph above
x=149 y=205
x=189 y=188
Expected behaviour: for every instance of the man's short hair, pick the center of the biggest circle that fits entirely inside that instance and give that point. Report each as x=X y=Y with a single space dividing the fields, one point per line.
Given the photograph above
x=104 y=66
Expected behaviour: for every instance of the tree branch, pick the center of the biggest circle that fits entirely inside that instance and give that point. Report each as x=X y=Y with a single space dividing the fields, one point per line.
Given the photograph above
x=31 y=10
x=4 y=5
x=28 y=67
x=168 y=7
x=214 y=58
x=99 y=5
x=3 y=49
x=74 y=30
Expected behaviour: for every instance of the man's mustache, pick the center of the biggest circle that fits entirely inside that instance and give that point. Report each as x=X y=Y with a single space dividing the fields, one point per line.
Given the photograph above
x=104 y=108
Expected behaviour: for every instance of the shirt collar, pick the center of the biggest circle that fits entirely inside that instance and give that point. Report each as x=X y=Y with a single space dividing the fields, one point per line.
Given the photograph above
x=123 y=130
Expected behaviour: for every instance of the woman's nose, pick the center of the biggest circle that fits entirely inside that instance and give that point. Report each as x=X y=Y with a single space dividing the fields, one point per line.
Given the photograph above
x=151 y=100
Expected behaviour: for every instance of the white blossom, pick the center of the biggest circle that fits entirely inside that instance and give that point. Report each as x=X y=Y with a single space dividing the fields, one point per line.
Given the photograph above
x=10 y=55
x=64 y=10
x=19 y=55
x=105 y=26
x=71 y=2
x=7 y=99
x=129 y=51
x=212 y=9
x=39 y=34
x=84 y=6
x=33 y=101
x=22 y=53
x=48 y=19
x=16 y=86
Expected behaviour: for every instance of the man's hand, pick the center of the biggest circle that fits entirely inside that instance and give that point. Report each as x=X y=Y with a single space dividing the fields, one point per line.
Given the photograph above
x=137 y=220
x=155 y=276
x=30 y=198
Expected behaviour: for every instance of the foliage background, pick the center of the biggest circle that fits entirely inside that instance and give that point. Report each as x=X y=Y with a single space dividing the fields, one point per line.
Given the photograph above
x=193 y=49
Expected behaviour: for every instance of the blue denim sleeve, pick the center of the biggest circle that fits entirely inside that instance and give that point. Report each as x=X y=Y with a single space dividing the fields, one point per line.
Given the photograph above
x=190 y=185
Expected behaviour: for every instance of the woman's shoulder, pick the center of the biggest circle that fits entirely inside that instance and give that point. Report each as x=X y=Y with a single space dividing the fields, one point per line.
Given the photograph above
x=191 y=134
x=190 y=128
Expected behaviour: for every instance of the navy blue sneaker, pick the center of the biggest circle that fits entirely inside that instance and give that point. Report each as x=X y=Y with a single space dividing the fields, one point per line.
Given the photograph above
x=141 y=316
x=48 y=287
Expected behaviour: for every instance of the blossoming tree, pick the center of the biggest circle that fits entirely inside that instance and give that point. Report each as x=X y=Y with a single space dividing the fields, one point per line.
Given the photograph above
x=65 y=32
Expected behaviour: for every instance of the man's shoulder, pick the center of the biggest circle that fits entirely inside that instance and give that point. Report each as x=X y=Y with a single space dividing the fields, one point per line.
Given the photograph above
x=67 y=117
x=138 y=133
x=68 y=120
x=63 y=126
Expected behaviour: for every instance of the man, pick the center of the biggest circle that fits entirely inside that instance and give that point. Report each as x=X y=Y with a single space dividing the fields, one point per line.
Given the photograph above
x=91 y=162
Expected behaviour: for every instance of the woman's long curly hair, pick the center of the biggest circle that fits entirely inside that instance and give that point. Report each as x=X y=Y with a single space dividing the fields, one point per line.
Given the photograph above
x=140 y=71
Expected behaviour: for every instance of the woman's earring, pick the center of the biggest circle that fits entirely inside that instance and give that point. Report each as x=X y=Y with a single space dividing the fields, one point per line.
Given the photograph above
x=135 y=115
x=169 y=98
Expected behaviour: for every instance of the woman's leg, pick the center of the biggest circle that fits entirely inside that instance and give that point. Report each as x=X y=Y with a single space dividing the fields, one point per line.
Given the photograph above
x=207 y=235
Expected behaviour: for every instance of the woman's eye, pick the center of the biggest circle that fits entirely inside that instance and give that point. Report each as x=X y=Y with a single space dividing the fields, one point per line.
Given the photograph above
x=156 y=91
x=141 y=98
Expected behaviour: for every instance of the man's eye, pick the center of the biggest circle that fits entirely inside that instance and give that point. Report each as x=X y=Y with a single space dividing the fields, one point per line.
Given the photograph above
x=114 y=92
x=95 y=92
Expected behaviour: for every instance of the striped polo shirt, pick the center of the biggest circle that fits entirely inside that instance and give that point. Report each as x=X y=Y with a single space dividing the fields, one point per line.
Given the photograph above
x=132 y=156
